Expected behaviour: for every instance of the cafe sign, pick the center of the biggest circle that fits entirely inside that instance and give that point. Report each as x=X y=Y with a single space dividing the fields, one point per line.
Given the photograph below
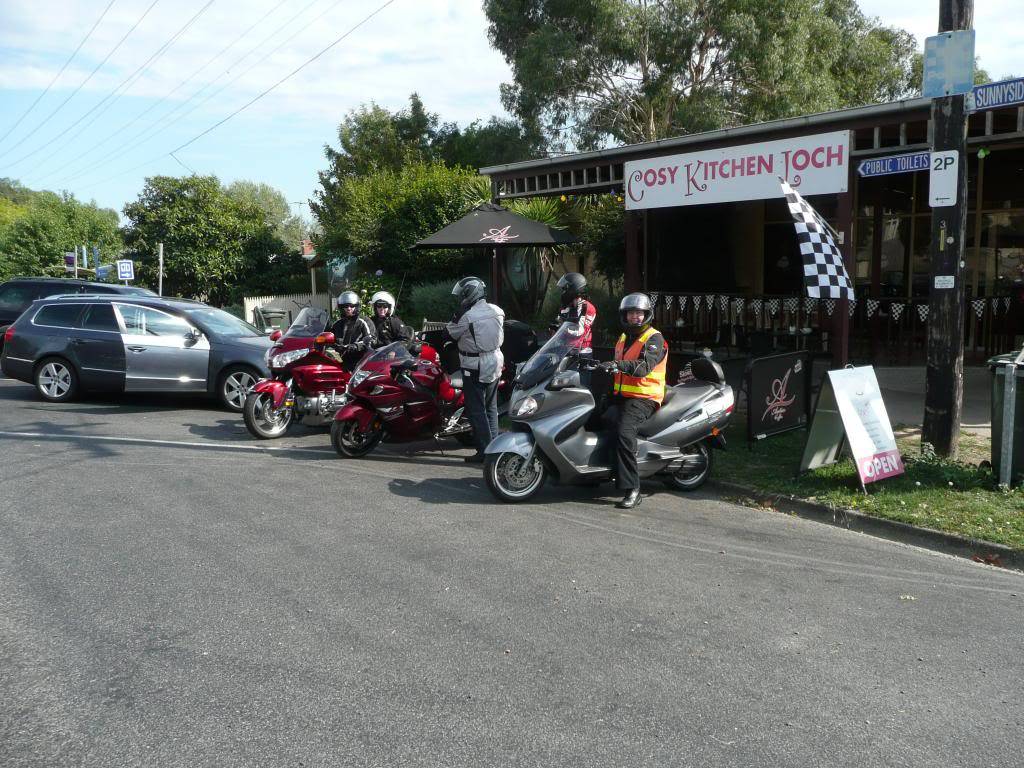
x=813 y=165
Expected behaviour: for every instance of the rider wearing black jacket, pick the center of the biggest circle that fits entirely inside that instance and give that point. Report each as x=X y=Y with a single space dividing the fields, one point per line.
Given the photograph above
x=387 y=326
x=353 y=334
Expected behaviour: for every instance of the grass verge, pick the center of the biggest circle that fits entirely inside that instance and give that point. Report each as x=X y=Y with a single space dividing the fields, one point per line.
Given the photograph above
x=956 y=497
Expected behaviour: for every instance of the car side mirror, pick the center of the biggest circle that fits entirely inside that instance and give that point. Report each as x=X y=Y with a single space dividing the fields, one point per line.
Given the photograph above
x=193 y=336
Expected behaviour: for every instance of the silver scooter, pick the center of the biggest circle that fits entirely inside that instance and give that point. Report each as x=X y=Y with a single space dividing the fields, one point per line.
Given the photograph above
x=550 y=410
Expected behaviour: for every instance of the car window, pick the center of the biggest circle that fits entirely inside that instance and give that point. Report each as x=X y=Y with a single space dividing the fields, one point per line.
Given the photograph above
x=15 y=297
x=144 y=321
x=100 y=317
x=221 y=322
x=58 y=315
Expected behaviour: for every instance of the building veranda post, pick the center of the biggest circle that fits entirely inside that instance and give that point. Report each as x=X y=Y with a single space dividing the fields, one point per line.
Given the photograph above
x=708 y=233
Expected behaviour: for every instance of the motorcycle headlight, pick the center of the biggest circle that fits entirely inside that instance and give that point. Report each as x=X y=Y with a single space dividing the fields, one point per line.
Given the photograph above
x=358 y=378
x=287 y=358
x=526 y=407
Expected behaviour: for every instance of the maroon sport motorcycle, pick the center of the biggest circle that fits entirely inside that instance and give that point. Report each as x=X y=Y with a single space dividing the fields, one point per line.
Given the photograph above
x=397 y=397
x=305 y=386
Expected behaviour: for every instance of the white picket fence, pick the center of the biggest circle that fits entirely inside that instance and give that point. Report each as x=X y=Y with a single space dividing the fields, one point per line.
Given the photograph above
x=290 y=304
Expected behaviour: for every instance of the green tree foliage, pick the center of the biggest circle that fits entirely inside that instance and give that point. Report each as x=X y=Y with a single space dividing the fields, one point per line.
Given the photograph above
x=480 y=144
x=36 y=228
x=377 y=218
x=589 y=71
x=217 y=246
x=277 y=213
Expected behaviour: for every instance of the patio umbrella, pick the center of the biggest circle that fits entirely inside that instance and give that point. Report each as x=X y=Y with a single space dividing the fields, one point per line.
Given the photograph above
x=489 y=225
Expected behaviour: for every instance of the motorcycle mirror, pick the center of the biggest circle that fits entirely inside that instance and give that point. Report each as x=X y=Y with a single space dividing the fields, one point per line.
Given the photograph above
x=275 y=334
x=325 y=338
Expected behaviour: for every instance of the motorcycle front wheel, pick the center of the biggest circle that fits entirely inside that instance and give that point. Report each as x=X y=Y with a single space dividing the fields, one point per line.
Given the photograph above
x=351 y=442
x=695 y=469
x=262 y=419
x=510 y=479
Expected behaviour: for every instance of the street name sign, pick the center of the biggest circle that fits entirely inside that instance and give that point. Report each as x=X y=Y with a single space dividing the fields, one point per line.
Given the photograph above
x=1005 y=93
x=886 y=166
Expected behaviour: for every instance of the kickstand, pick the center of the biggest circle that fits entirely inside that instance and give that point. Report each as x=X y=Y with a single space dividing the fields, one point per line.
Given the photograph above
x=440 y=444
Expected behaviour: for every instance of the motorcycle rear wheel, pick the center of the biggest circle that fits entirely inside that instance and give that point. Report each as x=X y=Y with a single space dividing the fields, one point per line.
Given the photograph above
x=263 y=420
x=509 y=480
x=352 y=443
x=693 y=475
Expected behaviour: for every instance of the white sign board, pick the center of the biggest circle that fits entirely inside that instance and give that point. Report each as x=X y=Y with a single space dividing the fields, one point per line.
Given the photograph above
x=942 y=178
x=948 y=64
x=851 y=404
x=813 y=165
x=125 y=269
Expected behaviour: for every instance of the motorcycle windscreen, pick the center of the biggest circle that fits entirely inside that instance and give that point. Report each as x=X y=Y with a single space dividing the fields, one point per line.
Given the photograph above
x=163 y=352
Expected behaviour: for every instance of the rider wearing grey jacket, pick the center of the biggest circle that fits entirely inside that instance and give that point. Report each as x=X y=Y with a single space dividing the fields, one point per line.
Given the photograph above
x=479 y=330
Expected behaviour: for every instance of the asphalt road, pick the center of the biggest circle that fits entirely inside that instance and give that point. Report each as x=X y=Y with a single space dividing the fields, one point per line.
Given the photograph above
x=174 y=594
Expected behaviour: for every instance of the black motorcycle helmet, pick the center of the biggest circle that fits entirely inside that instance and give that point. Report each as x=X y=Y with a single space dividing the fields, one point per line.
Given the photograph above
x=573 y=285
x=639 y=301
x=348 y=299
x=468 y=291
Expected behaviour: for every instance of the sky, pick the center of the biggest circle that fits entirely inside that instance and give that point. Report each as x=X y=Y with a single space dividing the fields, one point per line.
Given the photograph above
x=158 y=91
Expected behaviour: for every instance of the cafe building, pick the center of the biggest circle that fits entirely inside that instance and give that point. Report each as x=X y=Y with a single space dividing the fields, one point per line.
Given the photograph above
x=709 y=236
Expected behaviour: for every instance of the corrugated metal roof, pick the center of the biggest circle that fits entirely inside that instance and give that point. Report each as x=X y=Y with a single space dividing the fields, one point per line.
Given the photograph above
x=853 y=114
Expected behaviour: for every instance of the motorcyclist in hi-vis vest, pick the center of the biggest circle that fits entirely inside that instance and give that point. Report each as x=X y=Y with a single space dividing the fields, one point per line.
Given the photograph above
x=641 y=358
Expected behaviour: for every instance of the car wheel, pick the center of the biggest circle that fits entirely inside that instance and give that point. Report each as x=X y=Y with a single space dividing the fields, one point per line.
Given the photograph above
x=56 y=380
x=235 y=383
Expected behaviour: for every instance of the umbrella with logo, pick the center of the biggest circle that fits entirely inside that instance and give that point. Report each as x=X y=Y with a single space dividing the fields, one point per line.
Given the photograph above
x=489 y=225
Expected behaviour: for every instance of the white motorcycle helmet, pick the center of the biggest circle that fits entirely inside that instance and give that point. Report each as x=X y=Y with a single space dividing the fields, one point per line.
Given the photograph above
x=383 y=297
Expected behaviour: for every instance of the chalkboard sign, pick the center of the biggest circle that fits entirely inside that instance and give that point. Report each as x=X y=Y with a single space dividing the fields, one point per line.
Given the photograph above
x=778 y=394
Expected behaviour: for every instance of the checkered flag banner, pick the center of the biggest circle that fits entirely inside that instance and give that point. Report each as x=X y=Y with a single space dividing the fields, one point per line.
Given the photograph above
x=791 y=304
x=654 y=297
x=872 y=306
x=809 y=304
x=825 y=276
x=922 y=311
x=995 y=305
x=682 y=302
x=737 y=305
x=709 y=302
x=773 y=307
x=723 y=303
x=755 y=304
x=1006 y=302
x=830 y=306
x=897 y=309
x=978 y=305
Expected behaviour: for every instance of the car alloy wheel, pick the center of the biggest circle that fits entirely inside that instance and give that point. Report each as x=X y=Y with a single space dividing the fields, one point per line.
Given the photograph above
x=55 y=380
x=237 y=385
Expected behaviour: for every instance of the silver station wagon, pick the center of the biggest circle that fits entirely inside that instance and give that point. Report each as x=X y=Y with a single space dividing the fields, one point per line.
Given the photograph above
x=72 y=343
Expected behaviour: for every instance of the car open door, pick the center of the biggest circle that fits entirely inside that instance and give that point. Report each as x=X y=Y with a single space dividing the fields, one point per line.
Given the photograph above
x=163 y=352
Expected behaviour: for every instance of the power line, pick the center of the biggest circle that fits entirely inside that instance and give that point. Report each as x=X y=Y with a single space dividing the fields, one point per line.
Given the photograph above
x=80 y=85
x=252 y=101
x=163 y=98
x=166 y=124
x=57 y=76
x=113 y=96
x=162 y=124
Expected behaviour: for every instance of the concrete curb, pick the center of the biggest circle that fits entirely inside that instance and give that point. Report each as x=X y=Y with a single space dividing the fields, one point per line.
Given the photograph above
x=947 y=543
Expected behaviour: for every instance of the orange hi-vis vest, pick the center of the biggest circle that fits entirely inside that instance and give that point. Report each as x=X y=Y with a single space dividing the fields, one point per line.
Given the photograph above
x=649 y=387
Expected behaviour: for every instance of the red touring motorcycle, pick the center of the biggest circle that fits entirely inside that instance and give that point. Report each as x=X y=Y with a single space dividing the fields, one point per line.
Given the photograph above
x=305 y=384
x=397 y=397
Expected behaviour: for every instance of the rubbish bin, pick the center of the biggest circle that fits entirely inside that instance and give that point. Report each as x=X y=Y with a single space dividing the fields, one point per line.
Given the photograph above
x=1008 y=428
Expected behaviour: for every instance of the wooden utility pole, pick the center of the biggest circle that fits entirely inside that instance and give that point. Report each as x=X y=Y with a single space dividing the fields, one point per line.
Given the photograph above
x=944 y=376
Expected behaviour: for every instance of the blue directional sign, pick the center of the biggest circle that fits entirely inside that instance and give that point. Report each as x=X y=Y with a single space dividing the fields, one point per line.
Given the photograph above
x=1005 y=93
x=125 y=269
x=948 y=64
x=886 y=166
x=103 y=271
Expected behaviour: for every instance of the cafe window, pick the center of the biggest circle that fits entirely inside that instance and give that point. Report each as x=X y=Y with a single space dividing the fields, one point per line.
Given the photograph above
x=1004 y=180
x=1002 y=249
